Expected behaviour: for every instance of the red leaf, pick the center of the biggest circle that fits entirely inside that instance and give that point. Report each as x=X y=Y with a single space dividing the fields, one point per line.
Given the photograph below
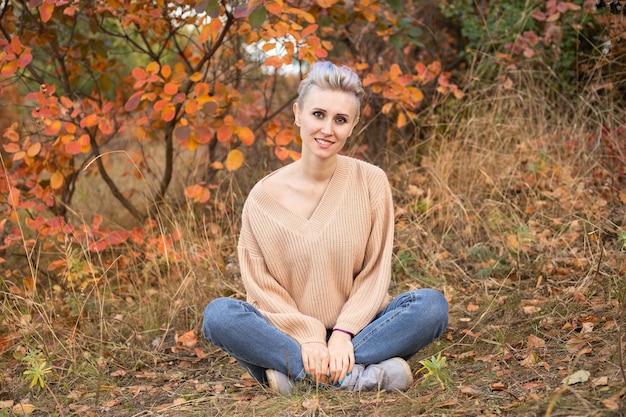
x=24 y=60
x=139 y=73
x=73 y=147
x=133 y=101
x=117 y=237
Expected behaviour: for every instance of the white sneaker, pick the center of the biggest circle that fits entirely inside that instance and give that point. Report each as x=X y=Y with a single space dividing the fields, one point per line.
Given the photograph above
x=390 y=375
x=279 y=382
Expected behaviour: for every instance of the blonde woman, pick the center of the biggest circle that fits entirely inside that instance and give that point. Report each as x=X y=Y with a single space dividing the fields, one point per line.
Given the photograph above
x=315 y=253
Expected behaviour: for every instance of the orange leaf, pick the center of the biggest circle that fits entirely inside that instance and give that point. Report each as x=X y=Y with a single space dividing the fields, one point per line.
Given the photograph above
x=56 y=180
x=309 y=30
x=73 y=148
x=166 y=71
x=45 y=11
x=67 y=102
x=325 y=4
x=273 y=7
x=401 y=120
x=186 y=340
x=89 y=121
x=9 y=69
x=224 y=133
x=106 y=126
x=11 y=147
x=284 y=138
x=234 y=160
x=171 y=88
x=198 y=193
x=33 y=150
x=246 y=135
x=195 y=77
x=168 y=113
x=281 y=153
x=53 y=127
x=153 y=67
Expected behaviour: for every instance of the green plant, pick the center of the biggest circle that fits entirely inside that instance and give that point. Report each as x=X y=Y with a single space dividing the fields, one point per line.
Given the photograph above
x=621 y=240
x=437 y=368
x=37 y=368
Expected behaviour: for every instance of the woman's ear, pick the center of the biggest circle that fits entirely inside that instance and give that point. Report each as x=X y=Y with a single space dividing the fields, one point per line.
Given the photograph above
x=296 y=113
x=356 y=122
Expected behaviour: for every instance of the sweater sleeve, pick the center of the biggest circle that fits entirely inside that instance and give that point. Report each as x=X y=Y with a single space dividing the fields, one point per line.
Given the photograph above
x=371 y=285
x=265 y=292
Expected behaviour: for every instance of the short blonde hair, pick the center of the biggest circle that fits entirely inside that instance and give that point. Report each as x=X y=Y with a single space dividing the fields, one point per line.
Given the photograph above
x=328 y=76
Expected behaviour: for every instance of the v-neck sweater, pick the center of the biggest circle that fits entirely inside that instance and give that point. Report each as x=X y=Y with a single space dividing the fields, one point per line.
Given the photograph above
x=333 y=270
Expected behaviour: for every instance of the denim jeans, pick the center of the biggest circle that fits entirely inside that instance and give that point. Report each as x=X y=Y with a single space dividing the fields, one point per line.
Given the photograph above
x=410 y=322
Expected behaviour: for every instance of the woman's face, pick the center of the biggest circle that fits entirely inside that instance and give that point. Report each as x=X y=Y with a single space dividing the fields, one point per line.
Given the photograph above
x=326 y=120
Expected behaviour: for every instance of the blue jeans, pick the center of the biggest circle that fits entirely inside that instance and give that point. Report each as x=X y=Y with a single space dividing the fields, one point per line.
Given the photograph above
x=410 y=322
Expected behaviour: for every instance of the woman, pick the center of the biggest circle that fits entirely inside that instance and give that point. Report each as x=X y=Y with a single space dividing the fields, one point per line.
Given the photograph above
x=315 y=254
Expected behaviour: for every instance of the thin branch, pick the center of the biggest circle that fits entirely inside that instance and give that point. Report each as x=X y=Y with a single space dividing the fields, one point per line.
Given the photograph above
x=109 y=181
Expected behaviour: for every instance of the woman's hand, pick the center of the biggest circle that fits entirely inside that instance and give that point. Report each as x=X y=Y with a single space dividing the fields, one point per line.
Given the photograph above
x=315 y=359
x=341 y=356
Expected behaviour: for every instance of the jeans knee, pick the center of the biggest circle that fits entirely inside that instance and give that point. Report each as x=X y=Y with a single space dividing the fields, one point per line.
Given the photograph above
x=439 y=308
x=215 y=319
x=434 y=303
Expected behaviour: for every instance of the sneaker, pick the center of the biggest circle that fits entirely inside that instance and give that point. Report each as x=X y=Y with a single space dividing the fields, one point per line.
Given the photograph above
x=279 y=382
x=390 y=375
x=396 y=375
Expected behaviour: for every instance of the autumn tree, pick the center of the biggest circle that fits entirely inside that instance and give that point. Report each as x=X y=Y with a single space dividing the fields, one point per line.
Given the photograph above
x=87 y=83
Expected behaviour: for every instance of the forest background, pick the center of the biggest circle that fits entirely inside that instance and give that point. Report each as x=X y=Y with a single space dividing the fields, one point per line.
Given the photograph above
x=132 y=131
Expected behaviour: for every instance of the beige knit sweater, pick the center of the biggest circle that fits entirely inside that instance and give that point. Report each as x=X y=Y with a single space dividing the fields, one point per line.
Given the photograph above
x=332 y=270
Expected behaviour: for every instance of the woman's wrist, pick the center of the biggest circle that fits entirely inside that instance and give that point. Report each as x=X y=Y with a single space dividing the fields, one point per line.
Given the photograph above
x=336 y=329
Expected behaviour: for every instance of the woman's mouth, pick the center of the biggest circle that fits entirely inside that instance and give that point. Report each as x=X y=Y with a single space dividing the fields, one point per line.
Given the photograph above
x=323 y=142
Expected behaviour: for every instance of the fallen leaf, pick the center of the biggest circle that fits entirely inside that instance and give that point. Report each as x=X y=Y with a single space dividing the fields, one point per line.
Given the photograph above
x=613 y=402
x=185 y=341
x=529 y=360
x=471 y=307
x=535 y=342
x=575 y=344
x=531 y=309
x=23 y=409
x=311 y=403
x=467 y=390
x=576 y=377
x=112 y=403
x=499 y=386
x=6 y=403
x=603 y=380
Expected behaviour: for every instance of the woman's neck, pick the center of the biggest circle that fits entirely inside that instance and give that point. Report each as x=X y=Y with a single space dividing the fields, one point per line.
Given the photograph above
x=317 y=170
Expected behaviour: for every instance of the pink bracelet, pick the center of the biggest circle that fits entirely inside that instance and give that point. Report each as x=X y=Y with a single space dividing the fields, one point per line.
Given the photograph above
x=343 y=331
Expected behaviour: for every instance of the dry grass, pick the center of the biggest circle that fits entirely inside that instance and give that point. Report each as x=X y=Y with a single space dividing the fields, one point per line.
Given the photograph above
x=506 y=205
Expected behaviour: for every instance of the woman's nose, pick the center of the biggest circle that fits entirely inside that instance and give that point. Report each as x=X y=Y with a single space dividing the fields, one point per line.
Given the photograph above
x=327 y=127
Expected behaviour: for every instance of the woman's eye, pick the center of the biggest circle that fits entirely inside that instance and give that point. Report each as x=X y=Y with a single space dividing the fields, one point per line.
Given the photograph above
x=318 y=114
x=340 y=120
